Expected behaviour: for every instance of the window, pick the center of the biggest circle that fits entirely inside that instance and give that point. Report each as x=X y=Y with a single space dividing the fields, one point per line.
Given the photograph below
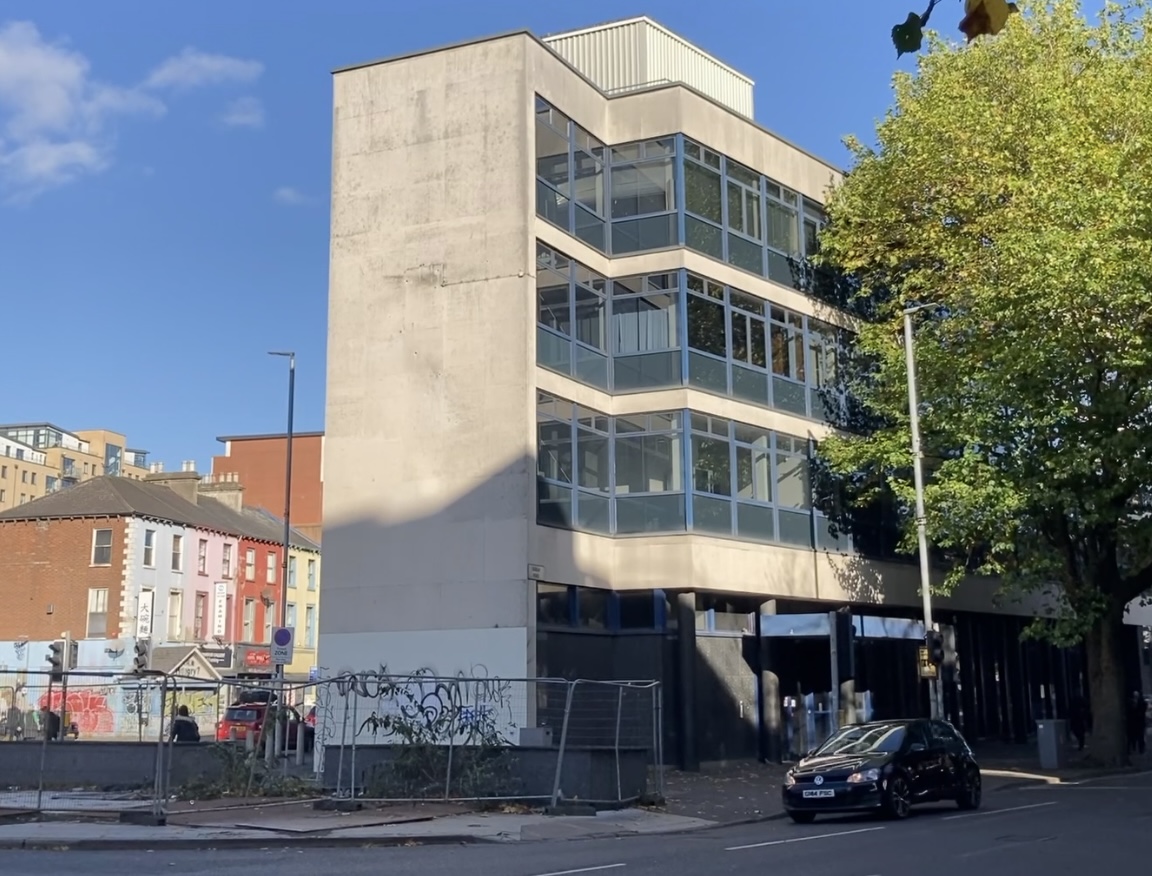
x=226 y=561
x=309 y=626
x=23 y=474
x=33 y=478
x=269 y=621
x=3 y=494
x=102 y=547
x=250 y=564
x=270 y=567
x=97 y=612
x=150 y=548
x=711 y=474
x=291 y=571
x=707 y=334
x=649 y=463
x=290 y=615
x=645 y=331
x=175 y=615
x=177 y=553
x=202 y=557
x=311 y=574
x=199 y=616
x=249 y=631
x=572 y=315
x=643 y=196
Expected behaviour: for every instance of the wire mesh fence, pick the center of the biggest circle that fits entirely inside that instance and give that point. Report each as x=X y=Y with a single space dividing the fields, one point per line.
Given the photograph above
x=420 y=736
x=95 y=741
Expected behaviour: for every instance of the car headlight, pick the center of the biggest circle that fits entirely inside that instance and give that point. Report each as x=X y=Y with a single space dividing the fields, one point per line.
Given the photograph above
x=789 y=780
x=863 y=777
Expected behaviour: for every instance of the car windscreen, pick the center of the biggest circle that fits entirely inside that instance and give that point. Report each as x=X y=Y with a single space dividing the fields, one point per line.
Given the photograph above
x=870 y=739
x=241 y=716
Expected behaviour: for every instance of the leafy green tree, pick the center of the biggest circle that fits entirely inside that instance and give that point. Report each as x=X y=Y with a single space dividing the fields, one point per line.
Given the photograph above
x=1011 y=190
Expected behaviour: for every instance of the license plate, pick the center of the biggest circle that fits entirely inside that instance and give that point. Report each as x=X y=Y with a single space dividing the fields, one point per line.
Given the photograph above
x=824 y=792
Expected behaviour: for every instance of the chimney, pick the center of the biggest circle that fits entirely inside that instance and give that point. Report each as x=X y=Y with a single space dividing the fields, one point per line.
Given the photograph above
x=183 y=483
x=225 y=489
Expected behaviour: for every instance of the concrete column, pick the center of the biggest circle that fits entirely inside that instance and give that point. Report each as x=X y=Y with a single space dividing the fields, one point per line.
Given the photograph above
x=686 y=694
x=771 y=713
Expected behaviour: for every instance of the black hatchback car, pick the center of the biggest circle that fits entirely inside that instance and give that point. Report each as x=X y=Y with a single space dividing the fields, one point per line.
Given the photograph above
x=883 y=766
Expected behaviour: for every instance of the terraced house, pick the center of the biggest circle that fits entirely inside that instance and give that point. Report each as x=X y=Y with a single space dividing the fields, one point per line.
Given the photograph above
x=114 y=560
x=576 y=378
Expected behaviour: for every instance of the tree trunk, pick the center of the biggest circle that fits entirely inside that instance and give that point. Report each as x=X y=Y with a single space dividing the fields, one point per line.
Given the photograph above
x=1107 y=687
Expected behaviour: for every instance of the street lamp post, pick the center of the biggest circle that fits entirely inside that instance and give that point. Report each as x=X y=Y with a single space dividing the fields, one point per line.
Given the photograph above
x=918 y=482
x=283 y=613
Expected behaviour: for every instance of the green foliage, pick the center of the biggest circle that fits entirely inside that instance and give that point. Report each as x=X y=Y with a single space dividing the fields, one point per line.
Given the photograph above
x=243 y=774
x=1011 y=187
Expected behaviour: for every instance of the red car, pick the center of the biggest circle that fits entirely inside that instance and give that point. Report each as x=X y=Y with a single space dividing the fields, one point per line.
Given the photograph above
x=245 y=718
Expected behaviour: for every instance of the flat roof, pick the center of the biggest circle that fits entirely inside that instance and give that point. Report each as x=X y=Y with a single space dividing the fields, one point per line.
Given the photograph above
x=268 y=436
x=391 y=59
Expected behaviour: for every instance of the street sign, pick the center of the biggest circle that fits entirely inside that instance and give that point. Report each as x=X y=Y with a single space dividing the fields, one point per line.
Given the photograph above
x=928 y=669
x=283 y=640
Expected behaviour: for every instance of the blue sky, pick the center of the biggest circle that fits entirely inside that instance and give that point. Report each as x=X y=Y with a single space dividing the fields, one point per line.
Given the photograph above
x=164 y=174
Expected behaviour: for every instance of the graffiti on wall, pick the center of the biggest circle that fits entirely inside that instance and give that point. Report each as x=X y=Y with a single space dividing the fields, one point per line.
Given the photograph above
x=470 y=708
x=86 y=707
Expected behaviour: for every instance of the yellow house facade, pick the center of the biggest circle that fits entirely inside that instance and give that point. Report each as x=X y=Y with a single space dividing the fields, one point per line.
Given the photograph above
x=303 y=608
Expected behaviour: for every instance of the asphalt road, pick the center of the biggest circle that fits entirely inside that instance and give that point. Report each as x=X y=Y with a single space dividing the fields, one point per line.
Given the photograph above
x=1045 y=830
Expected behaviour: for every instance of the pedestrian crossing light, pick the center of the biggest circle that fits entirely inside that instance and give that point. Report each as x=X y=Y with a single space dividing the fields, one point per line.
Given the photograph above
x=56 y=660
x=140 y=656
x=935 y=644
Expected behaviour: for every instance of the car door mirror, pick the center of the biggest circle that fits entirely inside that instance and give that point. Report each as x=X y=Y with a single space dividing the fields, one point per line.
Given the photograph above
x=937 y=746
x=917 y=748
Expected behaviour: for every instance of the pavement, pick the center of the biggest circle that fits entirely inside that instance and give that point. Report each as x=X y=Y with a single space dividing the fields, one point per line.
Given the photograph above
x=1055 y=829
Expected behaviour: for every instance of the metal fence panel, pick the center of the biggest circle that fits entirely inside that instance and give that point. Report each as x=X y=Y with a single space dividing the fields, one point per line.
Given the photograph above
x=372 y=735
x=421 y=737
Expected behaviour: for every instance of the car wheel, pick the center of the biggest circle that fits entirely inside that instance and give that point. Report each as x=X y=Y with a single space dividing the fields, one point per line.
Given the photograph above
x=802 y=817
x=968 y=796
x=898 y=799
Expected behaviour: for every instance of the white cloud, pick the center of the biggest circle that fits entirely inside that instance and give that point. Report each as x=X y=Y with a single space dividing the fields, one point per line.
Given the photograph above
x=193 y=68
x=289 y=196
x=53 y=117
x=245 y=112
x=56 y=121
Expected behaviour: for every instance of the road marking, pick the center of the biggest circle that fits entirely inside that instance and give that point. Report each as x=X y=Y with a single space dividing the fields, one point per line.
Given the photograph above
x=583 y=870
x=1002 y=846
x=802 y=839
x=998 y=811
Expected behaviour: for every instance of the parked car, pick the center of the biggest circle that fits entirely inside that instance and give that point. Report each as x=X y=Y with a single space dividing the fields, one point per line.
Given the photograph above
x=246 y=716
x=885 y=766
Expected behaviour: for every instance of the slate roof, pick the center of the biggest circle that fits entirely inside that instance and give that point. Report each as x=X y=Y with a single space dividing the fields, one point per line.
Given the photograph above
x=111 y=496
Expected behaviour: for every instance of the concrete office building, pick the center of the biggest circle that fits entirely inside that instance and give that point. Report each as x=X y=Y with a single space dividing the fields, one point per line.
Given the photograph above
x=574 y=381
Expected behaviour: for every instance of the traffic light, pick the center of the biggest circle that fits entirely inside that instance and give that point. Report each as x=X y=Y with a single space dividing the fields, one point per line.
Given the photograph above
x=140 y=656
x=934 y=641
x=56 y=660
x=73 y=656
x=985 y=17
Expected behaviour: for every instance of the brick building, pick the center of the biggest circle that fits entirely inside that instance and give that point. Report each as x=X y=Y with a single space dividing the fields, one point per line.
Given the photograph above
x=62 y=575
x=163 y=559
x=259 y=462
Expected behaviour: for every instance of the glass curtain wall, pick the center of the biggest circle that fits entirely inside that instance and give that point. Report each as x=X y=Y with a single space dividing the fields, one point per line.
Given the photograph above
x=633 y=197
x=675 y=471
x=624 y=335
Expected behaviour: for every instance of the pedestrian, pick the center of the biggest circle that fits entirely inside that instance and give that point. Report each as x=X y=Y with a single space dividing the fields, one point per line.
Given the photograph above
x=49 y=724
x=184 y=727
x=1078 y=719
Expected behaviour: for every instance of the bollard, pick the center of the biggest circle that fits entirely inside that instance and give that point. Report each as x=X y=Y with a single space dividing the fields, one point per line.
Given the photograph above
x=300 y=728
x=249 y=743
